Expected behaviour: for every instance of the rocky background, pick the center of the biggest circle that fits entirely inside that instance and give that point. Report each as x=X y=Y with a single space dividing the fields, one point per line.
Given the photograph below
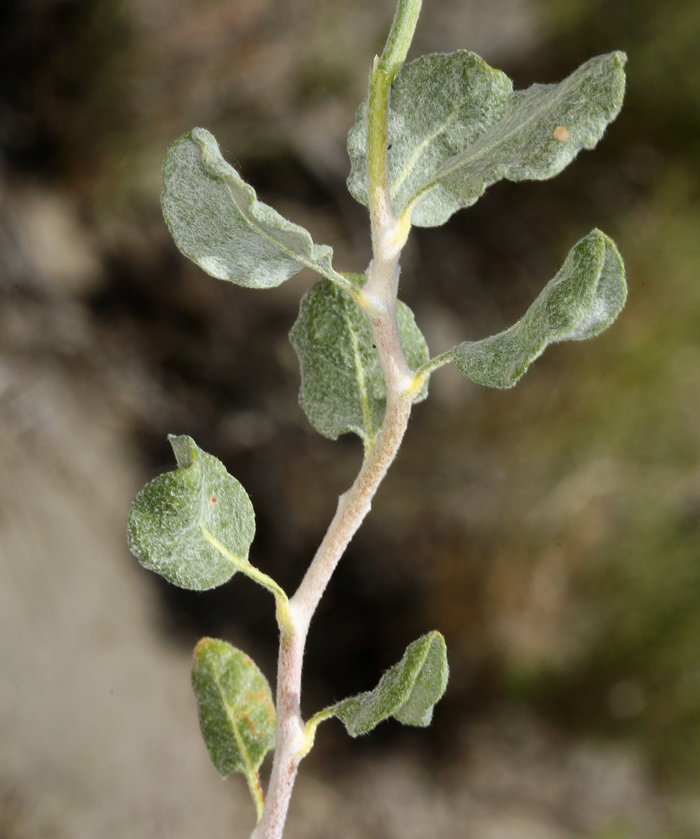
x=552 y=532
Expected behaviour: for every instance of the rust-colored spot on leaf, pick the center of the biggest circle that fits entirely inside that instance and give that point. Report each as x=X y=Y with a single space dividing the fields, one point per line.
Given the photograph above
x=249 y=724
x=212 y=501
x=561 y=133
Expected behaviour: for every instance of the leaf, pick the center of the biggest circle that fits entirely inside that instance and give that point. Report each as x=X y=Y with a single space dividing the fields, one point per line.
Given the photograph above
x=193 y=526
x=456 y=126
x=342 y=387
x=582 y=300
x=407 y=692
x=236 y=712
x=217 y=221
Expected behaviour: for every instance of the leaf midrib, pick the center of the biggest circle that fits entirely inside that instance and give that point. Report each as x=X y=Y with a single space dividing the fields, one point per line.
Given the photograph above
x=557 y=92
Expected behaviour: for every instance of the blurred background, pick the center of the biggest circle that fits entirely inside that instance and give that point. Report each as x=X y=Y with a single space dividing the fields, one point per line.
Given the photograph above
x=551 y=532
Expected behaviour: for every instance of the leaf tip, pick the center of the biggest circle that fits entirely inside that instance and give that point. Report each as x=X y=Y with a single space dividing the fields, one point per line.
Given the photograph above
x=203 y=645
x=182 y=446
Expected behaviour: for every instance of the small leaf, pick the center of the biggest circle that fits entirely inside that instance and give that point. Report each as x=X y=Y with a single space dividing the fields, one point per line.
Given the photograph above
x=342 y=387
x=582 y=300
x=236 y=712
x=407 y=692
x=217 y=221
x=193 y=526
x=456 y=126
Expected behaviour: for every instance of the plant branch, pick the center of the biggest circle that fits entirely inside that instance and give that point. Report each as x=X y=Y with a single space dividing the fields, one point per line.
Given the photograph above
x=379 y=295
x=378 y=299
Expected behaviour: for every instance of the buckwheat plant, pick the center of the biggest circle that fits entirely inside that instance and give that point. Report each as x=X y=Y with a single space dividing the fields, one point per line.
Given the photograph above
x=427 y=141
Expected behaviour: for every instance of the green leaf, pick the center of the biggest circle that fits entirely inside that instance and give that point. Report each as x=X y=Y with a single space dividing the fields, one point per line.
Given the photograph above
x=192 y=526
x=342 y=387
x=582 y=300
x=407 y=692
x=217 y=221
x=236 y=712
x=456 y=126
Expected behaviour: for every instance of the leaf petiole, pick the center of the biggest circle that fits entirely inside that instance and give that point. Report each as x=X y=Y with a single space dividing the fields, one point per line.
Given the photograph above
x=249 y=570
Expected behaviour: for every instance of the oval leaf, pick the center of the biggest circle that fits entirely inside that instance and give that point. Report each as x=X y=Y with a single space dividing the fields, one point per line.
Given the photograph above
x=193 y=526
x=236 y=712
x=456 y=126
x=408 y=691
x=342 y=387
x=582 y=300
x=217 y=221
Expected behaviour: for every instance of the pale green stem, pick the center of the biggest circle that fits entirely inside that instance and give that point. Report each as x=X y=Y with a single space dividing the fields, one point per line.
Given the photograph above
x=380 y=212
x=430 y=366
x=256 y=793
x=246 y=568
x=400 y=37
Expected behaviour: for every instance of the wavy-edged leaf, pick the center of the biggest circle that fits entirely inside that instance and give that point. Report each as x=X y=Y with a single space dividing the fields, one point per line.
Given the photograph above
x=583 y=299
x=236 y=712
x=342 y=388
x=407 y=692
x=456 y=126
x=217 y=221
x=193 y=526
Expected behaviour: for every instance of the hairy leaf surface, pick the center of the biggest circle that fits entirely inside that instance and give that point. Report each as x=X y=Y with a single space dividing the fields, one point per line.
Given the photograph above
x=342 y=388
x=456 y=126
x=217 y=221
x=407 y=692
x=193 y=526
x=583 y=299
x=236 y=712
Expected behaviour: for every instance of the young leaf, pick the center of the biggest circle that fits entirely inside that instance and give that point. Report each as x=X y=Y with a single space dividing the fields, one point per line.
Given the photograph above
x=342 y=388
x=456 y=126
x=236 y=712
x=217 y=221
x=192 y=526
x=582 y=300
x=407 y=692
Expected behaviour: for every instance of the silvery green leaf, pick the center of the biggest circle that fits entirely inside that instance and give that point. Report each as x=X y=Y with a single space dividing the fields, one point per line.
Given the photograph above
x=236 y=712
x=342 y=387
x=456 y=126
x=582 y=300
x=407 y=692
x=193 y=526
x=217 y=221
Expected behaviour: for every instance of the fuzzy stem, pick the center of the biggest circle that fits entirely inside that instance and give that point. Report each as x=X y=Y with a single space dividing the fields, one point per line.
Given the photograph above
x=353 y=506
x=378 y=299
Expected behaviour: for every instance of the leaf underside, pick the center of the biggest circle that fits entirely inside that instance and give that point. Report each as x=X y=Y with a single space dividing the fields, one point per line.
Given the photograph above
x=407 y=692
x=234 y=702
x=193 y=526
x=582 y=300
x=217 y=221
x=342 y=387
x=456 y=126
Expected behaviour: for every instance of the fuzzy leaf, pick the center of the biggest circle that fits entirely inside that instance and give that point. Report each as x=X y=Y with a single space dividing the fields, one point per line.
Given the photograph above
x=582 y=300
x=217 y=221
x=236 y=712
x=407 y=692
x=342 y=388
x=456 y=126
x=192 y=526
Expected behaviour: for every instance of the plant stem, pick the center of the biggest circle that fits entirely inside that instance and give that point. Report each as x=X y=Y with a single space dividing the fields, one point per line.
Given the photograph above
x=400 y=37
x=379 y=295
x=378 y=299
